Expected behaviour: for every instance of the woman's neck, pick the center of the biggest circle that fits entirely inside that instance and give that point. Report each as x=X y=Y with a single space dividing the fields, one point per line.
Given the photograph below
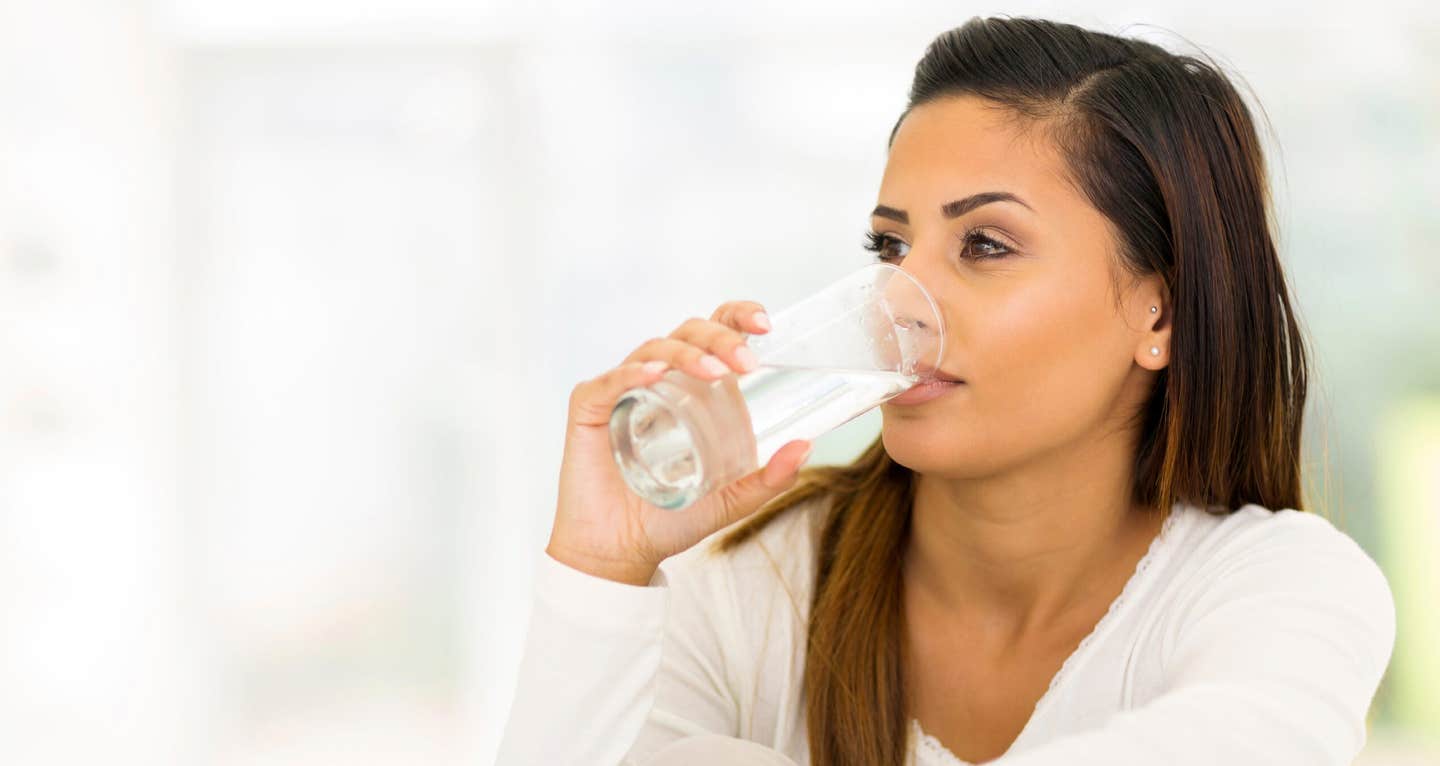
x=1018 y=552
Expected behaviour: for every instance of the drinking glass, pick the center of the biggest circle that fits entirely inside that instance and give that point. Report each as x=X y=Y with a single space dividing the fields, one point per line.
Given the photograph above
x=828 y=359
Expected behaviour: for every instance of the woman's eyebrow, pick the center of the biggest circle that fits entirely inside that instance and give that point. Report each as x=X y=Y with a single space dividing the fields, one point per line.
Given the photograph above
x=957 y=208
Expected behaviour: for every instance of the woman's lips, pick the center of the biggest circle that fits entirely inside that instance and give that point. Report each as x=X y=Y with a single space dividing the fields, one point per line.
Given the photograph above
x=928 y=372
x=924 y=391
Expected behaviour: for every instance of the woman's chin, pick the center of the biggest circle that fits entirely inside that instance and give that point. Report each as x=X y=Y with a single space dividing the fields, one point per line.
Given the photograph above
x=924 y=451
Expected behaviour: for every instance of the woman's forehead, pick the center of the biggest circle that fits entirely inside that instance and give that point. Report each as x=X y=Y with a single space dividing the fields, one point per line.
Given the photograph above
x=957 y=145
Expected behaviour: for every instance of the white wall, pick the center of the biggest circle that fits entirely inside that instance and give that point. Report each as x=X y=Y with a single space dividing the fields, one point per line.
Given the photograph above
x=95 y=657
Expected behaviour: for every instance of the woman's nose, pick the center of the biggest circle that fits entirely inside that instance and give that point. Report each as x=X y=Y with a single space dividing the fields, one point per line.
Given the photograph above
x=916 y=312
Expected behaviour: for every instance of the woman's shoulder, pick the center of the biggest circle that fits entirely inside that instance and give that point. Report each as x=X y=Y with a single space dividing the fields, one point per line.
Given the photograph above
x=1288 y=558
x=1219 y=537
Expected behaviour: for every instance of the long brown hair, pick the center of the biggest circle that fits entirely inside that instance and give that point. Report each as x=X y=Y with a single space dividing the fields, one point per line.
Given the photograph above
x=1165 y=148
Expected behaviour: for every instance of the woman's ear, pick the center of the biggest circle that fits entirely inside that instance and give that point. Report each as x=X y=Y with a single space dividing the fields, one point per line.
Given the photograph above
x=1152 y=305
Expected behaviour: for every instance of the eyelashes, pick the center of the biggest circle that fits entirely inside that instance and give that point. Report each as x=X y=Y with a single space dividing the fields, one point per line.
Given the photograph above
x=976 y=246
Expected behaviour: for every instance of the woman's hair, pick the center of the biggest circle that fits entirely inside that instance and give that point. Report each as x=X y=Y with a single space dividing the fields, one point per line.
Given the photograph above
x=1164 y=147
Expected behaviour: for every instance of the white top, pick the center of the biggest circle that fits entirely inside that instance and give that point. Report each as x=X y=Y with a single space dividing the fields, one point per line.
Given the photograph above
x=1251 y=638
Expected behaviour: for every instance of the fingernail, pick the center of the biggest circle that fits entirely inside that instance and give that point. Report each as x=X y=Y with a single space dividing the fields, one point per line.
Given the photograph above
x=747 y=358
x=808 y=450
x=656 y=366
x=762 y=320
x=713 y=364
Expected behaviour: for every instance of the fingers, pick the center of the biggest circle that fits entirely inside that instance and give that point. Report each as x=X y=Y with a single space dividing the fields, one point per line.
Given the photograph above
x=744 y=495
x=786 y=463
x=720 y=340
x=687 y=348
x=684 y=356
x=592 y=400
x=746 y=316
x=705 y=349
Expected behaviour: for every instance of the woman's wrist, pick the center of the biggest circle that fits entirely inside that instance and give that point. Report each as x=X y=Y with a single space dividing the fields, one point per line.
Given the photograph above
x=626 y=572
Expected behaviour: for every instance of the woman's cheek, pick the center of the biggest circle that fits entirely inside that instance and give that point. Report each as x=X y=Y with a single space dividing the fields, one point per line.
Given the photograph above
x=1039 y=359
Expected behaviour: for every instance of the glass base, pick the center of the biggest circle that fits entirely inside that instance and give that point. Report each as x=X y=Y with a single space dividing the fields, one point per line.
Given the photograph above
x=657 y=449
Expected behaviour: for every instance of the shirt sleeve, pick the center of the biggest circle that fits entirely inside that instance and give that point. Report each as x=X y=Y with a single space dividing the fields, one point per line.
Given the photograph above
x=1275 y=659
x=611 y=673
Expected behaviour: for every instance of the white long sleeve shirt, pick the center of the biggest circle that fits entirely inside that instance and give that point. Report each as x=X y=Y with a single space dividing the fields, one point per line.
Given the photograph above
x=1247 y=639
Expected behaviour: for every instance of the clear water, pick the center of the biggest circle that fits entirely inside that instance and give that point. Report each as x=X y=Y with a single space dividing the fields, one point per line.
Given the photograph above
x=684 y=437
x=788 y=403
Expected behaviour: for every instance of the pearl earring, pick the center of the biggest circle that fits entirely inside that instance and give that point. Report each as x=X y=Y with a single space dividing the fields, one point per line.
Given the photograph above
x=1154 y=351
x=1154 y=309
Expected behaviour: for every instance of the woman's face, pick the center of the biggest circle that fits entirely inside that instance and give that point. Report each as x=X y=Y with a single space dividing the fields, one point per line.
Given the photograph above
x=1050 y=355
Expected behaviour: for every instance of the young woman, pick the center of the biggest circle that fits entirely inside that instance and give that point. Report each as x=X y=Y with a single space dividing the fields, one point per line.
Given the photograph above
x=1088 y=549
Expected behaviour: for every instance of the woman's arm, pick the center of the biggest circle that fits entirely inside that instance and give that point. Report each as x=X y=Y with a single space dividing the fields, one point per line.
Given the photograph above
x=1275 y=661
x=596 y=656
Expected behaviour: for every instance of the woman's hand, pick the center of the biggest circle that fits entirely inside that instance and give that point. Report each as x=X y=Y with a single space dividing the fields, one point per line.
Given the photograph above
x=601 y=526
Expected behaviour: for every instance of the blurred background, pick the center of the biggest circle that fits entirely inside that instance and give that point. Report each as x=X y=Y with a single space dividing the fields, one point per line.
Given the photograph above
x=293 y=294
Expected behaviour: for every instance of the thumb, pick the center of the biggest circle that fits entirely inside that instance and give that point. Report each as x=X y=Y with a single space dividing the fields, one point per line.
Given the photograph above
x=741 y=497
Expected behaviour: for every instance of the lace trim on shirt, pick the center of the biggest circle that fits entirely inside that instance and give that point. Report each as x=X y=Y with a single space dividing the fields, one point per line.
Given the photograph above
x=1105 y=619
x=930 y=752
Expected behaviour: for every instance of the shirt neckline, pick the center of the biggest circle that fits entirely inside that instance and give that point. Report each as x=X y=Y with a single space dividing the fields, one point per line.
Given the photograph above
x=932 y=746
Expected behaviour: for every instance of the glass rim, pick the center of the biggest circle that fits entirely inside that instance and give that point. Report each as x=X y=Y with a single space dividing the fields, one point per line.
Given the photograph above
x=929 y=300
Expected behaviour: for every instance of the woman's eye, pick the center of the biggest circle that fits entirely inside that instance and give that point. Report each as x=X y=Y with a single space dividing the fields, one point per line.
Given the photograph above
x=984 y=247
x=974 y=246
x=885 y=247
